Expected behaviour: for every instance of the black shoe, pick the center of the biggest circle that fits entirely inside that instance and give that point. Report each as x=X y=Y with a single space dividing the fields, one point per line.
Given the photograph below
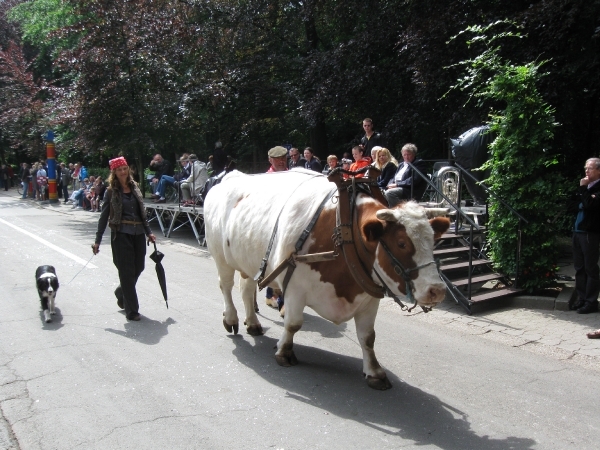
x=576 y=305
x=119 y=295
x=134 y=316
x=588 y=308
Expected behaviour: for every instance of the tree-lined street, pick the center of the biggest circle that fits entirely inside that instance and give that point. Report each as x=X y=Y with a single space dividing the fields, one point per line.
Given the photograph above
x=177 y=379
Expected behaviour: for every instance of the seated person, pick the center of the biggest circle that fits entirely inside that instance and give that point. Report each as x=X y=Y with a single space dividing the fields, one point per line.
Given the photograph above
x=332 y=163
x=100 y=188
x=167 y=180
x=387 y=164
x=161 y=167
x=312 y=163
x=399 y=187
x=194 y=184
x=88 y=202
x=360 y=161
x=79 y=195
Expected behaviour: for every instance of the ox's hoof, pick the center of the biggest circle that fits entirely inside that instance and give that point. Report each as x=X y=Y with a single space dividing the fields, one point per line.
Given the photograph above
x=378 y=383
x=255 y=330
x=231 y=328
x=287 y=360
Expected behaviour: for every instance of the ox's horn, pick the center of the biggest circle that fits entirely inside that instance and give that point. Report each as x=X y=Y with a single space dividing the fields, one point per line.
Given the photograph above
x=387 y=215
x=436 y=212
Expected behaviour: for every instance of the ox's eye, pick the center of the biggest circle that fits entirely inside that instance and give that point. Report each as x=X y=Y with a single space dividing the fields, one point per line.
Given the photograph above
x=402 y=244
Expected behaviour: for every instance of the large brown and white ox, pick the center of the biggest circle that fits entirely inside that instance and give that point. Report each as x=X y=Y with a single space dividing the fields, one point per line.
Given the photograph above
x=240 y=215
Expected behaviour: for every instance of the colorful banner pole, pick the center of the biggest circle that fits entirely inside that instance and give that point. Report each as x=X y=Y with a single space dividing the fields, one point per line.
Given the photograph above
x=51 y=162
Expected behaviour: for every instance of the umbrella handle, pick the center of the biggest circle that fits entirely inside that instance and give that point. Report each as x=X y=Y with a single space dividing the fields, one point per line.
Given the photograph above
x=148 y=245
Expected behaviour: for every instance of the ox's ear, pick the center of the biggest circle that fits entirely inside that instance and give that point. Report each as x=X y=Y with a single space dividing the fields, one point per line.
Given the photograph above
x=440 y=225
x=387 y=215
x=373 y=230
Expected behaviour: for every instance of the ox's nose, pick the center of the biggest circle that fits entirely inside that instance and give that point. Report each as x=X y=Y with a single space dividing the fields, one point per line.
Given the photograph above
x=436 y=294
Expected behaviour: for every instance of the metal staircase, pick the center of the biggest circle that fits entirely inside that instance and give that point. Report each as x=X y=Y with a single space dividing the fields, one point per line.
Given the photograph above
x=468 y=273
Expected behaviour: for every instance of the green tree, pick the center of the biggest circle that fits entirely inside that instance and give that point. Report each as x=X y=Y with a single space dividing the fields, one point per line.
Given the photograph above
x=523 y=165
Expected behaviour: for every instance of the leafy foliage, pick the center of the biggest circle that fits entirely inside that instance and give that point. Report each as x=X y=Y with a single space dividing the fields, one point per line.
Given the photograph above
x=21 y=105
x=522 y=165
x=40 y=18
x=143 y=77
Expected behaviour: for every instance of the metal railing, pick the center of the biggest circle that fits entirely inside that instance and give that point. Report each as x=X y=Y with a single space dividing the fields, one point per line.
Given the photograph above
x=461 y=217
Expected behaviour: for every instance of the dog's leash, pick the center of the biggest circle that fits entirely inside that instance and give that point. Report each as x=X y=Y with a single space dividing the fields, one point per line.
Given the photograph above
x=84 y=266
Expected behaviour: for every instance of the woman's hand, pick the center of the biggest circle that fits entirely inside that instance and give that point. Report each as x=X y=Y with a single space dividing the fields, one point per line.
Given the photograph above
x=95 y=248
x=151 y=238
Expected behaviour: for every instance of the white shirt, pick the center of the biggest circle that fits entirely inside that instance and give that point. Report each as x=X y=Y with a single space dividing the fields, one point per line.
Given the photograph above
x=401 y=172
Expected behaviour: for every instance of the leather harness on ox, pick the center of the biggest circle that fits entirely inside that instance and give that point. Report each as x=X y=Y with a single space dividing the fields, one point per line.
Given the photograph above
x=346 y=235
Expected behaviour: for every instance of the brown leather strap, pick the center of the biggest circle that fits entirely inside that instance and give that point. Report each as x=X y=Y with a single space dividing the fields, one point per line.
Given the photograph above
x=131 y=222
x=346 y=232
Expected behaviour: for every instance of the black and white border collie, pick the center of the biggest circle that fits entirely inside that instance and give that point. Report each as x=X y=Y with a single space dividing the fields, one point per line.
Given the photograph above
x=47 y=285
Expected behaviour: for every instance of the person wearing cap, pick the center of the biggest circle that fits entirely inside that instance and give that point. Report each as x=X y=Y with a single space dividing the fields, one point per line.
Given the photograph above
x=278 y=159
x=123 y=210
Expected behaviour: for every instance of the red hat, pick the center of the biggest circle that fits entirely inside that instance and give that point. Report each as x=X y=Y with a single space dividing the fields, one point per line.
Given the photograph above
x=117 y=162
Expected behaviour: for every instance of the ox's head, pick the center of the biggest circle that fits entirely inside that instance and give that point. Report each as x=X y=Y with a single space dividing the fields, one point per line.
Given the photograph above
x=404 y=235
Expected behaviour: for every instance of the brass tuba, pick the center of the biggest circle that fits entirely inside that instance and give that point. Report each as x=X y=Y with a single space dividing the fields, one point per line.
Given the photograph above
x=447 y=180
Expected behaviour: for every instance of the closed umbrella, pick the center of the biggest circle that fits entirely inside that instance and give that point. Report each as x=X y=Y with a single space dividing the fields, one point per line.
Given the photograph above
x=157 y=257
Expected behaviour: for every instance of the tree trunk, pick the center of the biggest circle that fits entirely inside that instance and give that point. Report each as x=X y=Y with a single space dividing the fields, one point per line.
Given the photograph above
x=318 y=140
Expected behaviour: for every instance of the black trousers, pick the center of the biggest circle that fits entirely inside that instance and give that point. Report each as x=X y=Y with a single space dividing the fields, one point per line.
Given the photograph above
x=129 y=256
x=65 y=192
x=586 y=251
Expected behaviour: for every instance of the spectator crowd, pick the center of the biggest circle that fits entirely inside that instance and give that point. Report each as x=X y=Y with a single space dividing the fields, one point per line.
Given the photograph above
x=190 y=179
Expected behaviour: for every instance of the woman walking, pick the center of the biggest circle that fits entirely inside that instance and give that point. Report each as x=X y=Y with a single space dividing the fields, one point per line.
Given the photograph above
x=123 y=210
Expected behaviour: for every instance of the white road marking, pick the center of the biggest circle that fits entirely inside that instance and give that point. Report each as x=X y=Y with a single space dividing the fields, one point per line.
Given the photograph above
x=52 y=246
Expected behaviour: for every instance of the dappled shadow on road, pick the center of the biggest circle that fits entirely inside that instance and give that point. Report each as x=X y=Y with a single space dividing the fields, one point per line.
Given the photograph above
x=56 y=323
x=146 y=331
x=333 y=383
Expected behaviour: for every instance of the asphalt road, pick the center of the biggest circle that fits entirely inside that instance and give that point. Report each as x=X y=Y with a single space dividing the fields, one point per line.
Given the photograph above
x=178 y=380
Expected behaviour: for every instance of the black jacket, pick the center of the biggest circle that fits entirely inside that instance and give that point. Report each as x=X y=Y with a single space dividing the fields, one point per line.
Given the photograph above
x=418 y=183
x=374 y=140
x=164 y=168
x=313 y=164
x=386 y=175
x=590 y=198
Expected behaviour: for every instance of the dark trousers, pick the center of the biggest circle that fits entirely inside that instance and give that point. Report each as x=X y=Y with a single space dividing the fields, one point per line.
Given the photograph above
x=65 y=192
x=129 y=256
x=397 y=195
x=586 y=251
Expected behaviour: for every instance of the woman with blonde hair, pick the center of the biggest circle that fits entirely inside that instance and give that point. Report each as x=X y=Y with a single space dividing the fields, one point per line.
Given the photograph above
x=388 y=165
